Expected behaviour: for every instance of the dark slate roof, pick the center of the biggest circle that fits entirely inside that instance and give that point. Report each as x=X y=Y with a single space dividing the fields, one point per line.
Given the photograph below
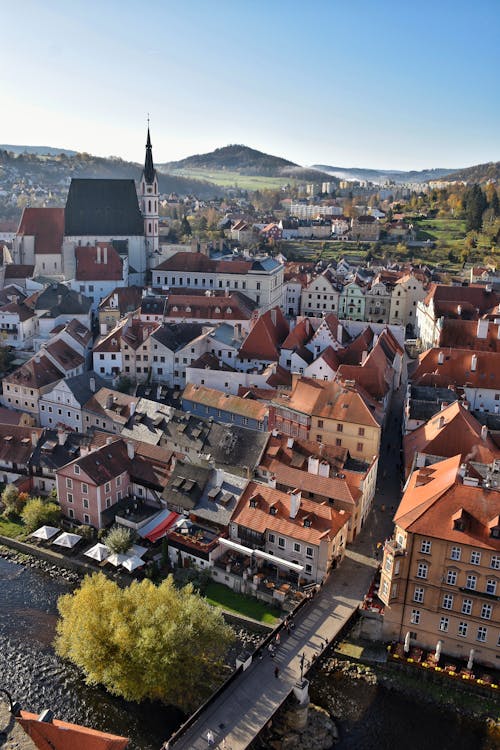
x=103 y=208
x=149 y=170
x=176 y=335
x=235 y=448
x=186 y=485
x=58 y=299
x=79 y=386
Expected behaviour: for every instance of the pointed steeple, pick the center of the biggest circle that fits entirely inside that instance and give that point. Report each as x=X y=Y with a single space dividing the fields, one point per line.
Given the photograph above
x=149 y=170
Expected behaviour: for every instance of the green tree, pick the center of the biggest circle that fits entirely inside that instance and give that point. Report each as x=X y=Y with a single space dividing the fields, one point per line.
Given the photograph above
x=124 y=384
x=186 y=227
x=475 y=204
x=144 y=641
x=119 y=540
x=13 y=501
x=495 y=203
x=38 y=512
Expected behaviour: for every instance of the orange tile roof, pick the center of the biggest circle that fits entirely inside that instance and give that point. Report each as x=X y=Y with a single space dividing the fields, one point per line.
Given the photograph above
x=299 y=335
x=330 y=487
x=35 y=374
x=452 y=431
x=89 y=269
x=456 y=368
x=446 y=298
x=66 y=357
x=61 y=735
x=266 y=337
x=325 y=521
x=46 y=225
x=436 y=495
x=246 y=407
x=460 y=333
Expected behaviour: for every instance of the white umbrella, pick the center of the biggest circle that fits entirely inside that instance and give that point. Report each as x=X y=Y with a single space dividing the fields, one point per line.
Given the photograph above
x=471 y=659
x=116 y=559
x=98 y=552
x=407 y=642
x=45 y=532
x=439 y=646
x=133 y=562
x=67 y=540
x=136 y=549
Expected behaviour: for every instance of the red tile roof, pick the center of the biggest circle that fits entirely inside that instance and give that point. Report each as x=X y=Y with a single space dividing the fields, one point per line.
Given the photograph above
x=266 y=337
x=456 y=368
x=463 y=334
x=236 y=306
x=471 y=298
x=245 y=407
x=60 y=735
x=330 y=487
x=35 y=373
x=128 y=299
x=90 y=265
x=47 y=225
x=299 y=335
x=21 y=310
x=67 y=359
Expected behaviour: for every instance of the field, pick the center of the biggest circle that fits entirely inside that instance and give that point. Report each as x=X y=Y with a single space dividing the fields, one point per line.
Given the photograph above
x=222 y=596
x=233 y=179
x=12 y=529
x=449 y=233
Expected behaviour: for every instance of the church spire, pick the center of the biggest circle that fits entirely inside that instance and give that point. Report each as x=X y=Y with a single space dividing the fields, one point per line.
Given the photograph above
x=149 y=170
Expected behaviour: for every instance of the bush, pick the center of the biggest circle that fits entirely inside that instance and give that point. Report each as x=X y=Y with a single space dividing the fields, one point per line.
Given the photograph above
x=119 y=540
x=38 y=512
x=13 y=501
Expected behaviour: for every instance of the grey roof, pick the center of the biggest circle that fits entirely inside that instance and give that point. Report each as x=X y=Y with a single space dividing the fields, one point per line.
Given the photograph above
x=153 y=305
x=225 y=334
x=103 y=208
x=235 y=447
x=49 y=454
x=265 y=264
x=217 y=507
x=174 y=336
x=185 y=485
x=148 y=422
x=57 y=299
x=79 y=386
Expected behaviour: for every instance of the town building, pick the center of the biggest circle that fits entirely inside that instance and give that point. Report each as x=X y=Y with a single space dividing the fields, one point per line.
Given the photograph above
x=224 y=407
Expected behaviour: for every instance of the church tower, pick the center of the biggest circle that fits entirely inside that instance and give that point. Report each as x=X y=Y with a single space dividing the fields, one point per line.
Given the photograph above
x=148 y=199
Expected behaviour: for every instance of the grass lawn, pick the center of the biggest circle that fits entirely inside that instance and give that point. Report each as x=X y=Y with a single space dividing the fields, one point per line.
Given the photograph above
x=12 y=529
x=224 y=597
x=234 y=179
x=447 y=232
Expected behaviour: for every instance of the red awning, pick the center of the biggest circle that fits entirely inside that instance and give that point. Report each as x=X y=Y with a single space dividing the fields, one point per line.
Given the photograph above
x=162 y=527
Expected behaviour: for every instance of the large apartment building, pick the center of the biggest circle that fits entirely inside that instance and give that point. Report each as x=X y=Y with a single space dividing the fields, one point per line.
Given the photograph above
x=441 y=570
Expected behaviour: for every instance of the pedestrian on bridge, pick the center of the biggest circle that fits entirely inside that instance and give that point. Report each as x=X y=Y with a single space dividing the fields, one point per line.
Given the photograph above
x=276 y=671
x=210 y=738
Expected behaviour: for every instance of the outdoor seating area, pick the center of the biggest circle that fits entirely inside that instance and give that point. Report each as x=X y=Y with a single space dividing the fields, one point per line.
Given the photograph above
x=454 y=668
x=371 y=602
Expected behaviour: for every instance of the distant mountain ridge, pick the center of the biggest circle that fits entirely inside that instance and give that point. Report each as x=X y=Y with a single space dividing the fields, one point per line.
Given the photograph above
x=39 y=150
x=379 y=176
x=478 y=173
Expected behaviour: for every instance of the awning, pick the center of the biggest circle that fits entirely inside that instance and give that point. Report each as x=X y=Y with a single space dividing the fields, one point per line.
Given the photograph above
x=162 y=527
x=45 y=532
x=237 y=547
x=132 y=563
x=259 y=553
x=98 y=552
x=67 y=540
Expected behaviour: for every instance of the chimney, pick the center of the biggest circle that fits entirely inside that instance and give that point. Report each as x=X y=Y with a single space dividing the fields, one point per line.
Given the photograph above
x=272 y=482
x=98 y=253
x=364 y=356
x=132 y=408
x=482 y=328
x=59 y=299
x=37 y=358
x=473 y=363
x=92 y=384
x=273 y=316
x=109 y=401
x=442 y=422
x=313 y=465
x=339 y=333
x=105 y=254
x=324 y=469
x=440 y=358
x=484 y=432
x=103 y=328
x=488 y=288
x=130 y=450
x=79 y=298
x=34 y=439
x=295 y=497
x=109 y=440
x=289 y=442
x=462 y=469
x=459 y=310
x=61 y=436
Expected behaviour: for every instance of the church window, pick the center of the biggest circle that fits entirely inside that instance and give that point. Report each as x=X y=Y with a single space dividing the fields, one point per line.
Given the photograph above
x=149 y=211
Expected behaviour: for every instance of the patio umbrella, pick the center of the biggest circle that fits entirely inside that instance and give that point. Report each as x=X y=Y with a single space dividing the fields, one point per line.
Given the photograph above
x=67 y=540
x=407 y=642
x=132 y=563
x=98 y=552
x=45 y=532
x=471 y=659
x=439 y=646
x=116 y=559
x=136 y=549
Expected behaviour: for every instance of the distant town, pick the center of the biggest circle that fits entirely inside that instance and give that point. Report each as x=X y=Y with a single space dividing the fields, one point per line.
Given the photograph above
x=253 y=384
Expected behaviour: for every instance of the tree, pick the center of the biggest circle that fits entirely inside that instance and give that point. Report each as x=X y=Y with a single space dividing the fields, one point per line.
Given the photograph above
x=495 y=204
x=38 y=512
x=123 y=384
x=144 y=641
x=475 y=204
x=119 y=540
x=13 y=501
x=185 y=227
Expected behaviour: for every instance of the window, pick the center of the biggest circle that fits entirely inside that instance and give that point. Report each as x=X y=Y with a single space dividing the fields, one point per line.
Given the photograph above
x=456 y=553
x=471 y=582
x=296 y=547
x=308 y=568
x=118 y=481
x=385 y=588
x=495 y=562
x=69 y=483
x=388 y=563
x=76 y=469
x=85 y=502
x=320 y=424
x=482 y=632
x=425 y=546
x=107 y=487
x=486 y=610
x=69 y=497
x=86 y=518
x=281 y=542
x=338 y=442
x=108 y=502
x=475 y=557
x=448 y=601
x=451 y=577
x=443 y=624
x=491 y=586
x=319 y=438
x=462 y=629
x=418 y=594
x=85 y=488
x=359 y=447
x=415 y=617
x=361 y=431
x=272 y=538
x=422 y=569
x=467 y=606
x=340 y=428
x=309 y=552
x=71 y=513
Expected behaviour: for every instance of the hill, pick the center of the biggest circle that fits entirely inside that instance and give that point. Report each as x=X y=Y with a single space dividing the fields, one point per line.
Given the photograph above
x=41 y=150
x=478 y=173
x=235 y=158
x=380 y=176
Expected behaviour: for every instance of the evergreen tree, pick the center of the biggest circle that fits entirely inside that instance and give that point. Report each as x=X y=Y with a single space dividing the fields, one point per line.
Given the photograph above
x=495 y=204
x=185 y=227
x=475 y=204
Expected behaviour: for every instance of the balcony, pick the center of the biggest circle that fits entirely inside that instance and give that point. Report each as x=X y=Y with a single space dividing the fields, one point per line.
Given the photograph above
x=392 y=547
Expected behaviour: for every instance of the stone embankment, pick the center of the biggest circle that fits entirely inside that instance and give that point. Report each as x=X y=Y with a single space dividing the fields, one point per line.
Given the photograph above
x=297 y=727
x=30 y=561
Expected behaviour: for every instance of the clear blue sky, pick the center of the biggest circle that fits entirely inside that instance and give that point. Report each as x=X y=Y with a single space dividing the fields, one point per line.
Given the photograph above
x=352 y=83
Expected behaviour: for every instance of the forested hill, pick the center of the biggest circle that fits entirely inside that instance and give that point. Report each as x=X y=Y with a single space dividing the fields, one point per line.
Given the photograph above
x=235 y=158
x=479 y=173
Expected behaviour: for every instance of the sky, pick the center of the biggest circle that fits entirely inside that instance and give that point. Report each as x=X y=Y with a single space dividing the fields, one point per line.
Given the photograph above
x=356 y=83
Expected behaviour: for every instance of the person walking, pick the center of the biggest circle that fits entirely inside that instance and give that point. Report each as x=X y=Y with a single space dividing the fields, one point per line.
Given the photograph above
x=210 y=738
x=276 y=671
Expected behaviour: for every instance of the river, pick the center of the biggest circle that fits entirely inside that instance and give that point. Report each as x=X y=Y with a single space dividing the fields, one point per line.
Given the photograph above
x=370 y=717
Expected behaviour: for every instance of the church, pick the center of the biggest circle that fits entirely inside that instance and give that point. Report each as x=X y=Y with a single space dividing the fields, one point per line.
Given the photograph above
x=98 y=212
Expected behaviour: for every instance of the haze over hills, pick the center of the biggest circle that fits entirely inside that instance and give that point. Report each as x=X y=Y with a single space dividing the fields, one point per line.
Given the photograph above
x=478 y=173
x=379 y=176
x=40 y=150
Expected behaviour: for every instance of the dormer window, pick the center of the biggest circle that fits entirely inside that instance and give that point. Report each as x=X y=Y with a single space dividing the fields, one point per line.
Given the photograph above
x=307 y=522
x=175 y=308
x=494 y=527
x=273 y=510
x=253 y=502
x=217 y=309
x=188 y=309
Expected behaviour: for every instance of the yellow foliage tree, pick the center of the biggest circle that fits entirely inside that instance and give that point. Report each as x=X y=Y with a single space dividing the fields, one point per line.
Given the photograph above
x=144 y=641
